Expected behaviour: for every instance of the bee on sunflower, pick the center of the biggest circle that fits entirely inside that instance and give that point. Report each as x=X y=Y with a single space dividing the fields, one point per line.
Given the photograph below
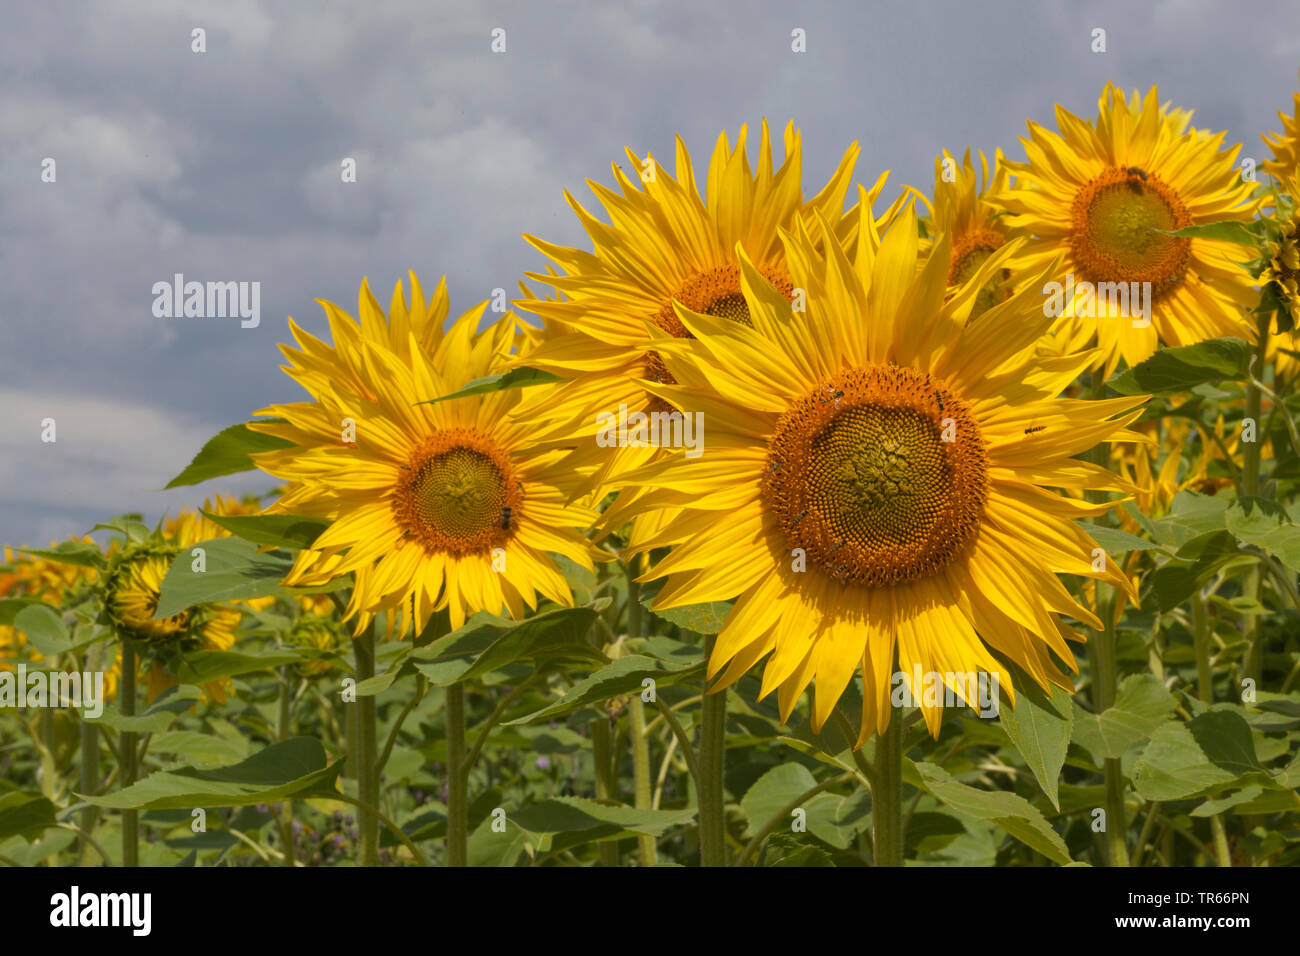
x=433 y=504
x=918 y=516
x=1106 y=194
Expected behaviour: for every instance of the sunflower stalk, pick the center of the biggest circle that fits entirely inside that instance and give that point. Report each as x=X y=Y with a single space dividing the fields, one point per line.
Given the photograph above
x=1105 y=671
x=606 y=783
x=126 y=758
x=1250 y=487
x=363 y=649
x=643 y=793
x=457 y=779
x=712 y=763
x=887 y=795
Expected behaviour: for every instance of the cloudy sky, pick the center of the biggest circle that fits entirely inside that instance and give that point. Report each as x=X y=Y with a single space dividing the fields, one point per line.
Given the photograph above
x=224 y=165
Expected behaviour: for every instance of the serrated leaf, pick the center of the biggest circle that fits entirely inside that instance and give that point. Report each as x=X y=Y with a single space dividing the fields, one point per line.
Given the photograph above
x=623 y=676
x=201 y=667
x=159 y=716
x=1265 y=525
x=293 y=768
x=1039 y=727
x=25 y=815
x=701 y=618
x=1241 y=233
x=233 y=571
x=1203 y=756
x=577 y=814
x=1177 y=369
x=772 y=792
x=282 y=531
x=226 y=453
x=1006 y=810
x=1142 y=704
x=1116 y=542
x=515 y=378
x=80 y=553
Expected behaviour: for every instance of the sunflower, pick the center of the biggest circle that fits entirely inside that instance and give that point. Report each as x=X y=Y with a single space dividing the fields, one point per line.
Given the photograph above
x=967 y=208
x=433 y=504
x=878 y=476
x=133 y=585
x=24 y=575
x=664 y=244
x=1286 y=144
x=1102 y=194
x=1282 y=273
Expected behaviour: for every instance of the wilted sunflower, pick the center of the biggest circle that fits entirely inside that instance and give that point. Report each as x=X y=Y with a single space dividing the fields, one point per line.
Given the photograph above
x=1286 y=144
x=967 y=207
x=433 y=505
x=664 y=243
x=877 y=477
x=1102 y=194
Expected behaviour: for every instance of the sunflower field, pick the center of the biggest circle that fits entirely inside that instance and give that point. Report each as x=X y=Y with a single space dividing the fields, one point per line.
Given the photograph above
x=941 y=524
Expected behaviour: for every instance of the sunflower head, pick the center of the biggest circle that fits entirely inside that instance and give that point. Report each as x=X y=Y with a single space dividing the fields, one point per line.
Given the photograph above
x=1282 y=274
x=433 y=503
x=882 y=485
x=967 y=206
x=318 y=632
x=1286 y=144
x=1106 y=195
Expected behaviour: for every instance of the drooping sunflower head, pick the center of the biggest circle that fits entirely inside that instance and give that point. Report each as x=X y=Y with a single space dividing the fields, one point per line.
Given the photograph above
x=1282 y=274
x=1105 y=195
x=1286 y=144
x=317 y=632
x=132 y=587
x=967 y=207
x=434 y=504
x=880 y=482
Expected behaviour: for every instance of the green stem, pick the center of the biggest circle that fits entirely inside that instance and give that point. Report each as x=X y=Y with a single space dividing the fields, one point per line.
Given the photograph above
x=88 y=784
x=641 y=772
x=1250 y=487
x=283 y=730
x=887 y=794
x=1101 y=656
x=363 y=649
x=1205 y=687
x=457 y=779
x=712 y=757
x=126 y=757
x=606 y=782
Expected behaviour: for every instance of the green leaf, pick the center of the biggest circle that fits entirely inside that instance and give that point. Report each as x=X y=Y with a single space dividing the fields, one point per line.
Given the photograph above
x=10 y=607
x=200 y=667
x=1265 y=525
x=294 y=768
x=772 y=793
x=233 y=571
x=1142 y=704
x=1191 y=514
x=1039 y=727
x=1116 y=542
x=283 y=531
x=1172 y=370
x=80 y=553
x=623 y=676
x=226 y=453
x=24 y=814
x=1243 y=234
x=173 y=701
x=1006 y=810
x=205 y=750
x=515 y=378
x=552 y=637
x=598 y=821
x=1205 y=755
x=700 y=618
x=44 y=628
